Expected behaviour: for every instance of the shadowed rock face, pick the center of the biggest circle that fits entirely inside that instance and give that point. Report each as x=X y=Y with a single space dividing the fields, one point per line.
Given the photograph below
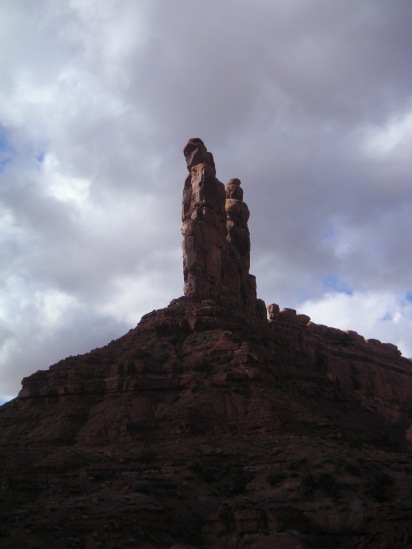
x=216 y=241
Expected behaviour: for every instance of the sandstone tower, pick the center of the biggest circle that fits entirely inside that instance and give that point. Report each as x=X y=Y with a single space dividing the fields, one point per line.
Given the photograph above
x=216 y=241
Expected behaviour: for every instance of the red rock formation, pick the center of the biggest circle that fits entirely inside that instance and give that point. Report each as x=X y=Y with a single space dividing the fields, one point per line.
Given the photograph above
x=197 y=429
x=216 y=242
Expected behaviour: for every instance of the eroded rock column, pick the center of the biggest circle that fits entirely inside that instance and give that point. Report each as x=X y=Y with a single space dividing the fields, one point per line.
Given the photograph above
x=238 y=237
x=204 y=224
x=216 y=241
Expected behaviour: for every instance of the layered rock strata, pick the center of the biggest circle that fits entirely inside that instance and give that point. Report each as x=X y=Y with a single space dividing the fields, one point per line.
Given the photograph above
x=216 y=241
x=372 y=372
x=197 y=429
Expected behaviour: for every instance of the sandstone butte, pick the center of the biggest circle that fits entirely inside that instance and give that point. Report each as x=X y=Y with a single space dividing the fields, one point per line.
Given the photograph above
x=211 y=424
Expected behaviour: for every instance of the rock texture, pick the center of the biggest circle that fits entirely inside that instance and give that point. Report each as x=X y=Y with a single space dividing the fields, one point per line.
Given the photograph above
x=216 y=244
x=206 y=426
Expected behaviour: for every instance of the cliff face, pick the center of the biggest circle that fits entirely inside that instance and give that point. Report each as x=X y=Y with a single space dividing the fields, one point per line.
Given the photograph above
x=363 y=387
x=209 y=425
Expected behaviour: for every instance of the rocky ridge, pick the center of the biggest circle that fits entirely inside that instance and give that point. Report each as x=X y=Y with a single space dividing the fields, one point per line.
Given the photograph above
x=211 y=425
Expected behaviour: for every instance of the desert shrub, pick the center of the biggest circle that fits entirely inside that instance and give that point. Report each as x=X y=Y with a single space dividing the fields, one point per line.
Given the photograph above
x=378 y=487
x=143 y=486
x=295 y=464
x=224 y=359
x=275 y=477
x=226 y=479
x=146 y=455
x=164 y=357
x=255 y=339
x=307 y=486
x=206 y=472
x=325 y=482
x=240 y=479
x=242 y=388
x=178 y=340
x=329 y=485
x=233 y=336
x=352 y=467
x=207 y=336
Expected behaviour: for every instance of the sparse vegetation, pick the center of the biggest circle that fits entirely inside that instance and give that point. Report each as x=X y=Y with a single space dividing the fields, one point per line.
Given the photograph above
x=164 y=357
x=329 y=484
x=295 y=464
x=352 y=467
x=225 y=479
x=224 y=359
x=208 y=336
x=325 y=481
x=275 y=477
x=146 y=455
x=143 y=486
x=307 y=486
x=233 y=336
x=378 y=487
x=242 y=389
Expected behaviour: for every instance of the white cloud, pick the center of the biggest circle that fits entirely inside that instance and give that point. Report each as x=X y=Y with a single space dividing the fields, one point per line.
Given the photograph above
x=52 y=307
x=394 y=138
x=61 y=185
x=375 y=315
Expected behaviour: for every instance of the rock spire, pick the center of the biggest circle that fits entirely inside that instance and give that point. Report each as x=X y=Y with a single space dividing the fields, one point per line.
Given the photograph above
x=216 y=241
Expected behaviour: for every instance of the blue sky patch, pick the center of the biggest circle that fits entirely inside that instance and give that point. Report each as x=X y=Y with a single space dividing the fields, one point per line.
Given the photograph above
x=330 y=232
x=6 y=152
x=4 y=162
x=337 y=284
x=4 y=143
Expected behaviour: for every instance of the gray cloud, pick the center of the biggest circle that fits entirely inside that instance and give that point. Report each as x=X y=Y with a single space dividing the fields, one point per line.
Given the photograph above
x=307 y=102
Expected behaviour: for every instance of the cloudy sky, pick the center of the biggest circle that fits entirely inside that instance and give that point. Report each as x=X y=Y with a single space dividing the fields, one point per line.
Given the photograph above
x=308 y=102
